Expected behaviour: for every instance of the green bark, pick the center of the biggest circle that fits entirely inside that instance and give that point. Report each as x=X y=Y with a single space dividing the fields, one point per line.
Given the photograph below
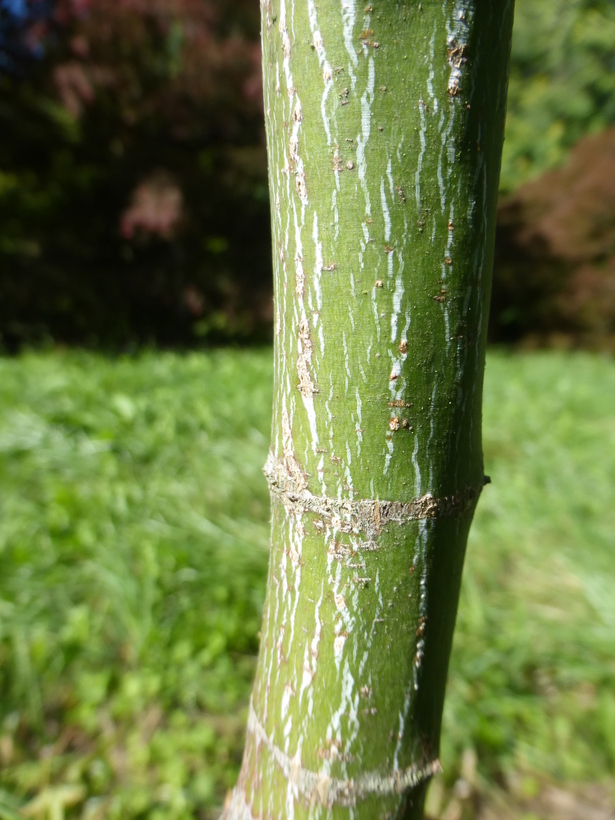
x=384 y=128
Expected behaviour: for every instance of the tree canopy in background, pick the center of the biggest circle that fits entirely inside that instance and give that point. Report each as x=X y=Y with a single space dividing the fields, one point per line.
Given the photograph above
x=23 y=30
x=555 y=253
x=133 y=197
x=562 y=82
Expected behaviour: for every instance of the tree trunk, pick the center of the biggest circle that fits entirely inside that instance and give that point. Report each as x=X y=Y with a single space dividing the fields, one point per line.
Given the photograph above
x=384 y=128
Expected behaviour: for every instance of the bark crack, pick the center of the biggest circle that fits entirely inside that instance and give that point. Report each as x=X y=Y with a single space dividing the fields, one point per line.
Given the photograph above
x=320 y=787
x=368 y=516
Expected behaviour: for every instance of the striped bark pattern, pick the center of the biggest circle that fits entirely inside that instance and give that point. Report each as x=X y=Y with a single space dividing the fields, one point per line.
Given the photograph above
x=384 y=128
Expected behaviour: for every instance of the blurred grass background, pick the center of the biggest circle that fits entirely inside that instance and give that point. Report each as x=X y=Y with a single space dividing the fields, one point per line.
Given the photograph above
x=133 y=552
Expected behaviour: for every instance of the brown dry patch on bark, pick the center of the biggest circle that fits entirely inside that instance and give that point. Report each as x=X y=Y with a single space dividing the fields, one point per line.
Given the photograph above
x=306 y=384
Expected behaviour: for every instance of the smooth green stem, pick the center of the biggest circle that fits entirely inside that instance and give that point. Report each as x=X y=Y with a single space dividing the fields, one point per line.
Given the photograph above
x=384 y=127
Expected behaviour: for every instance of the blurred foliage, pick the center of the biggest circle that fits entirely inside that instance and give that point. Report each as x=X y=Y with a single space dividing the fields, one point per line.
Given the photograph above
x=555 y=253
x=562 y=82
x=133 y=199
x=554 y=273
x=133 y=191
x=133 y=554
x=23 y=28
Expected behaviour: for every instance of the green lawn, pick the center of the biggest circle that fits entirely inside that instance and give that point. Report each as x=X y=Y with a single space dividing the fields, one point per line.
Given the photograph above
x=133 y=552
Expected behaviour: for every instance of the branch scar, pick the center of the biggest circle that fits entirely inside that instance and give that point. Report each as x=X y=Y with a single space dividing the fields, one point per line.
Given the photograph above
x=369 y=516
x=319 y=787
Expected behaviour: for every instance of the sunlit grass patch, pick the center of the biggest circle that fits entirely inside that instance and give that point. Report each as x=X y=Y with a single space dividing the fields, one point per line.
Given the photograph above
x=532 y=683
x=133 y=552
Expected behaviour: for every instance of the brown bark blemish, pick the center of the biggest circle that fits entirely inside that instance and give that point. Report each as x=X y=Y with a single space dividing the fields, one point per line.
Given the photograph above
x=306 y=384
x=301 y=186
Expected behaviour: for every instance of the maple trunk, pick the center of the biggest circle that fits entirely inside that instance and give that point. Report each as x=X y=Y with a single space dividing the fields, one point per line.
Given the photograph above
x=384 y=128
